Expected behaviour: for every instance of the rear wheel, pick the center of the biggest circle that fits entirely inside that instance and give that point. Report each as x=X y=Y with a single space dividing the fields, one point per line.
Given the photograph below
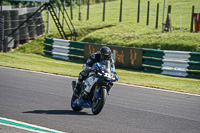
x=74 y=105
x=97 y=105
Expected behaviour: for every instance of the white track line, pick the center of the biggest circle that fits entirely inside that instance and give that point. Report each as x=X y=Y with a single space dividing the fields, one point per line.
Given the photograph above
x=26 y=126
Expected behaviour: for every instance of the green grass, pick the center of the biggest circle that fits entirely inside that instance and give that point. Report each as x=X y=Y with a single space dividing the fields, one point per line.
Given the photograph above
x=133 y=34
x=36 y=46
x=39 y=63
x=50 y=65
x=127 y=33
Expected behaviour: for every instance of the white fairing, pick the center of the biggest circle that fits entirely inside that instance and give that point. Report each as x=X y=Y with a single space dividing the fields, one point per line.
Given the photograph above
x=89 y=83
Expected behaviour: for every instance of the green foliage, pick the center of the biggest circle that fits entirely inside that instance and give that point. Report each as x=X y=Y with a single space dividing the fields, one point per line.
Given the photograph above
x=130 y=33
x=133 y=34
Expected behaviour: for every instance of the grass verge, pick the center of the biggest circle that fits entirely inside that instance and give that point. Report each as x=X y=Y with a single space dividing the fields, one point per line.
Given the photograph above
x=127 y=33
x=37 y=62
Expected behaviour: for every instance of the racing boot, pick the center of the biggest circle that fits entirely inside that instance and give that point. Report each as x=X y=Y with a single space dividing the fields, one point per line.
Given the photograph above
x=77 y=88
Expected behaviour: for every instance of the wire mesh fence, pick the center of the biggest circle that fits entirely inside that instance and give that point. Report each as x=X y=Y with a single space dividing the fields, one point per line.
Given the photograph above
x=180 y=14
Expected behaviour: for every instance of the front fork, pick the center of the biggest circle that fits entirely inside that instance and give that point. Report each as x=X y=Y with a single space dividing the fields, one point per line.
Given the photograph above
x=98 y=88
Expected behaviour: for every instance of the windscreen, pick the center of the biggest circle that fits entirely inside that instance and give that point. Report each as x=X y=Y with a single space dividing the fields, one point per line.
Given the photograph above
x=106 y=66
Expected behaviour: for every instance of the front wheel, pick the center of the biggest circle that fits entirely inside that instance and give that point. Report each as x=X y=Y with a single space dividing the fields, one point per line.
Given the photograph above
x=73 y=104
x=97 y=105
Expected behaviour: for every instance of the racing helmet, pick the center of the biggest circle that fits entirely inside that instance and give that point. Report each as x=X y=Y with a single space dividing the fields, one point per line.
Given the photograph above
x=105 y=53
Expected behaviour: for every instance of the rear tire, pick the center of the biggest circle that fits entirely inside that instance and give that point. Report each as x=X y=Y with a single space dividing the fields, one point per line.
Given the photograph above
x=99 y=104
x=73 y=106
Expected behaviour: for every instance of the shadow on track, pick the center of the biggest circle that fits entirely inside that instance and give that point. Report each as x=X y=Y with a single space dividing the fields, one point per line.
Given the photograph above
x=57 y=112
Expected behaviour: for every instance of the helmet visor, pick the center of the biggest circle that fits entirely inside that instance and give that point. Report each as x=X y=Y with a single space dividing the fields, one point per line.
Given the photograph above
x=105 y=57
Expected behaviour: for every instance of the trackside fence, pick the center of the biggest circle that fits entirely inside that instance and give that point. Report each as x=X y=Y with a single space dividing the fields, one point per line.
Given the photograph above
x=175 y=63
x=64 y=49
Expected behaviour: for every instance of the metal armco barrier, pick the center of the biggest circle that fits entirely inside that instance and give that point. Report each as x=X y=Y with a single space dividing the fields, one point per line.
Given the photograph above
x=64 y=49
x=175 y=63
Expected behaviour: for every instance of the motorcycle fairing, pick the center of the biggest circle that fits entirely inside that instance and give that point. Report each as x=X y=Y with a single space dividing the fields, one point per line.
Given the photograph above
x=90 y=82
x=80 y=102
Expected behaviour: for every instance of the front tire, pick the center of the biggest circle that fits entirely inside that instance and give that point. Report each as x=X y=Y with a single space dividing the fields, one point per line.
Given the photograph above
x=98 y=105
x=74 y=106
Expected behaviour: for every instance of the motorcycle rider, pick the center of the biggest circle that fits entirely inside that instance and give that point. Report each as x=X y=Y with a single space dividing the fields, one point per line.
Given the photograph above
x=103 y=54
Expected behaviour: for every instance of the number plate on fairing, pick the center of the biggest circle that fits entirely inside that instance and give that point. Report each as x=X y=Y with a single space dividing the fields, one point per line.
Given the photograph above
x=89 y=83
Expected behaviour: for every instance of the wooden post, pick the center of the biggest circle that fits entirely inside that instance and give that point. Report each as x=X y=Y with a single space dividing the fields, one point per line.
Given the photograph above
x=71 y=9
x=104 y=8
x=163 y=24
x=169 y=9
x=48 y=20
x=79 y=14
x=88 y=9
x=148 y=12
x=120 y=17
x=157 y=15
x=138 y=16
x=168 y=21
x=192 y=19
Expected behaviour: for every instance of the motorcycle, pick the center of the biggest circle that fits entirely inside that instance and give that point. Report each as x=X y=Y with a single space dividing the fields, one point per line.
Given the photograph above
x=97 y=86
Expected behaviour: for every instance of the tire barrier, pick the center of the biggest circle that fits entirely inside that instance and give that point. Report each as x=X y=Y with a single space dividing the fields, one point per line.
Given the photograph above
x=174 y=63
x=31 y=27
x=8 y=44
x=14 y=15
x=1 y=46
x=7 y=29
x=30 y=30
x=1 y=32
x=40 y=28
x=7 y=24
x=23 y=31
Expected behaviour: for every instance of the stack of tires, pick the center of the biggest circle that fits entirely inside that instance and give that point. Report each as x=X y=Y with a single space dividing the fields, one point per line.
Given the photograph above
x=23 y=31
x=1 y=32
x=11 y=20
x=40 y=28
x=7 y=24
x=31 y=26
x=7 y=30
x=14 y=15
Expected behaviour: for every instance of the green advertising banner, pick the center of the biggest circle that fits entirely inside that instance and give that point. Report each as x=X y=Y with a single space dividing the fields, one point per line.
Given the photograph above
x=31 y=0
x=125 y=57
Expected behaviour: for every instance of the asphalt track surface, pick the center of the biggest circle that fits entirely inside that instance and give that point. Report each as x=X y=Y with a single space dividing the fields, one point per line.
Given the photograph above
x=44 y=100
